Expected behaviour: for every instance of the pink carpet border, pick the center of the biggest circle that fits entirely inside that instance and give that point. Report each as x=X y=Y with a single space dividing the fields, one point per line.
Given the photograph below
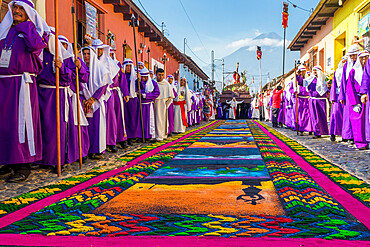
x=351 y=204
x=26 y=211
x=154 y=241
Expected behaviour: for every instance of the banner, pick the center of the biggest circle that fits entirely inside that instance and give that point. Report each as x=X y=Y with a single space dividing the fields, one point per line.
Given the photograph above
x=91 y=21
x=259 y=53
x=364 y=25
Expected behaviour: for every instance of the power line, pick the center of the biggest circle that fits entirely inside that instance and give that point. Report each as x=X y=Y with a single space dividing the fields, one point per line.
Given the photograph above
x=296 y=6
x=195 y=54
x=186 y=13
x=146 y=12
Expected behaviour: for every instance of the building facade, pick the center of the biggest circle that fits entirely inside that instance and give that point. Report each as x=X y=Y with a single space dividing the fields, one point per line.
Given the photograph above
x=330 y=30
x=109 y=20
x=346 y=22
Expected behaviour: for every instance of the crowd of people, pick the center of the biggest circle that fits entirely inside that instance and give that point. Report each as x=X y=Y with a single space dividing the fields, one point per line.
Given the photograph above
x=120 y=103
x=320 y=106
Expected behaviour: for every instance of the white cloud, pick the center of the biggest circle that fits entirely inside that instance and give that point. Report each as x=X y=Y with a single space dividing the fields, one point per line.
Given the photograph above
x=249 y=42
x=198 y=49
x=257 y=33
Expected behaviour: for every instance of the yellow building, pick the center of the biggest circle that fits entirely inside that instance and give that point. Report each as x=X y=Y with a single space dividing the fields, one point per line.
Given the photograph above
x=346 y=22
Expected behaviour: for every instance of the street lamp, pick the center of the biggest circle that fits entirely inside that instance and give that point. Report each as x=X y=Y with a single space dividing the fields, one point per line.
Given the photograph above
x=164 y=60
x=148 y=51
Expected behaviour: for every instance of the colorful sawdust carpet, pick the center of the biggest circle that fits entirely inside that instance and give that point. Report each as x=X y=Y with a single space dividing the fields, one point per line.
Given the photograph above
x=224 y=184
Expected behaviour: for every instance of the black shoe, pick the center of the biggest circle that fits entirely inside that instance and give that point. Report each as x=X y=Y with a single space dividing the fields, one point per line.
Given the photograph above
x=351 y=142
x=310 y=133
x=301 y=133
x=129 y=142
x=96 y=156
x=6 y=171
x=316 y=137
x=112 y=149
x=332 y=138
x=124 y=144
x=18 y=177
x=364 y=148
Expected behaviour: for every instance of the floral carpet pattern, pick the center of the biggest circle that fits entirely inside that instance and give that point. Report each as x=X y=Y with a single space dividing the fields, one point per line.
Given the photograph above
x=227 y=182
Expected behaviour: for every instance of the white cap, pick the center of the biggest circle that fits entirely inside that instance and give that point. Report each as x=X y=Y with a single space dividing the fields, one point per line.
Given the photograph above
x=353 y=50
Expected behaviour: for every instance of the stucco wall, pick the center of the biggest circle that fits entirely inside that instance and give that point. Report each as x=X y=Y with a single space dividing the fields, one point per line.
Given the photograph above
x=322 y=40
x=115 y=23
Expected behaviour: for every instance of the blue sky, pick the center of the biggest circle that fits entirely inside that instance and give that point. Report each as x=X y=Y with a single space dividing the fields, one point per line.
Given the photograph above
x=223 y=23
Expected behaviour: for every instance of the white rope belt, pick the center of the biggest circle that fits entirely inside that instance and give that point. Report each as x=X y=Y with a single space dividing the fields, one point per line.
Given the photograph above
x=317 y=98
x=326 y=104
x=118 y=89
x=303 y=97
x=66 y=102
x=151 y=118
x=25 y=121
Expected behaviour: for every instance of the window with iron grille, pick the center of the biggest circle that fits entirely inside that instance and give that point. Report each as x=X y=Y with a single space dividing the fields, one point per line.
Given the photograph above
x=81 y=22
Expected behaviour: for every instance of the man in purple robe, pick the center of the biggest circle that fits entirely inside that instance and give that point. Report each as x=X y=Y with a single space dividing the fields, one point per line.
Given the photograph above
x=304 y=118
x=171 y=113
x=96 y=95
x=103 y=52
x=46 y=82
x=120 y=94
x=132 y=107
x=149 y=92
x=336 y=115
x=318 y=92
x=289 y=119
x=23 y=35
x=365 y=94
x=83 y=76
x=347 y=134
x=357 y=109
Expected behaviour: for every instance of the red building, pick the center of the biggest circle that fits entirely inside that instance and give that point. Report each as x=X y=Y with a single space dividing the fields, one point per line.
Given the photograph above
x=113 y=16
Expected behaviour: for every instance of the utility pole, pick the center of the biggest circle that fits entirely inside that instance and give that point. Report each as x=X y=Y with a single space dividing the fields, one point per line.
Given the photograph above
x=213 y=64
x=163 y=27
x=223 y=74
x=184 y=45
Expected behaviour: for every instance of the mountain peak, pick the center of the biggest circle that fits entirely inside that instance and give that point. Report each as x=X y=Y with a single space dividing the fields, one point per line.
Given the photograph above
x=271 y=35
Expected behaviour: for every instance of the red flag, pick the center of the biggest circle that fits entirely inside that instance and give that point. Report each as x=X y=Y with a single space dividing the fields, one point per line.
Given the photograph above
x=285 y=15
x=253 y=80
x=285 y=19
x=259 y=53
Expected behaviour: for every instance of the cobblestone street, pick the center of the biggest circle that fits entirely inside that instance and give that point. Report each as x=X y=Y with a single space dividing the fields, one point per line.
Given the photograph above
x=339 y=153
x=45 y=176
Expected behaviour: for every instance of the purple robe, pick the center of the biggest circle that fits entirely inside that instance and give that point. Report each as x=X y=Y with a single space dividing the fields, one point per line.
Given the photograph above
x=347 y=133
x=121 y=128
x=282 y=112
x=357 y=119
x=132 y=113
x=47 y=100
x=365 y=89
x=336 y=115
x=25 y=58
x=111 y=117
x=219 y=110
x=72 y=143
x=94 y=123
x=171 y=114
x=304 y=117
x=317 y=106
x=146 y=104
x=289 y=109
